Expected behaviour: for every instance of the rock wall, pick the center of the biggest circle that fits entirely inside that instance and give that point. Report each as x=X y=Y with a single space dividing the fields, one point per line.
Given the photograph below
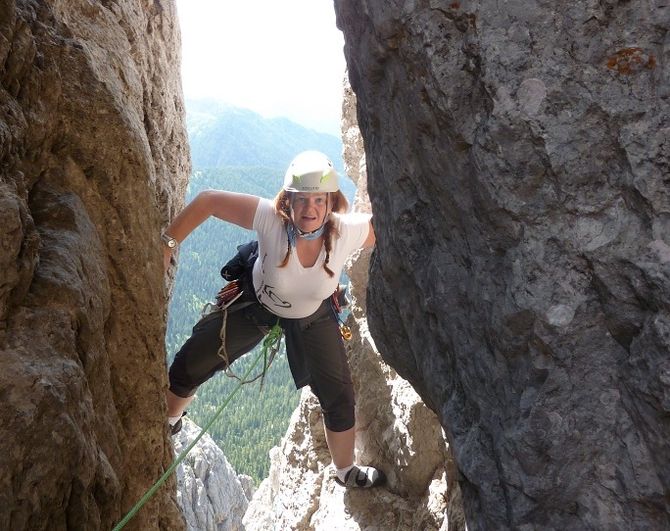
x=93 y=160
x=210 y=493
x=518 y=163
x=394 y=431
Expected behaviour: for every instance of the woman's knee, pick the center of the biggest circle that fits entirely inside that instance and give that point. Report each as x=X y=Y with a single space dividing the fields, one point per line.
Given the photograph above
x=340 y=418
x=180 y=384
x=338 y=409
x=201 y=357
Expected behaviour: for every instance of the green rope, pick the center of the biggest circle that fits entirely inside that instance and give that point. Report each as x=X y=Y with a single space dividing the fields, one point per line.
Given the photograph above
x=271 y=342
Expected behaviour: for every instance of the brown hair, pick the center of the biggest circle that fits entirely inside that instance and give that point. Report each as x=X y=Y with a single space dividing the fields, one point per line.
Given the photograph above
x=283 y=210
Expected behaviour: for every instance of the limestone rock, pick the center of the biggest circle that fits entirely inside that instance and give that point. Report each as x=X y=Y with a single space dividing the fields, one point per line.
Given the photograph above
x=287 y=498
x=93 y=158
x=517 y=161
x=301 y=494
x=209 y=491
x=247 y=483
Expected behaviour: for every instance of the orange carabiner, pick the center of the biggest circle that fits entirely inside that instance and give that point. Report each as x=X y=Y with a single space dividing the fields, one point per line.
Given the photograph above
x=345 y=332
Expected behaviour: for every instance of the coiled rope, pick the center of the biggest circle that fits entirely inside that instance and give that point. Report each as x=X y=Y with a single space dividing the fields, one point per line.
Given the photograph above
x=270 y=343
x=268 y=358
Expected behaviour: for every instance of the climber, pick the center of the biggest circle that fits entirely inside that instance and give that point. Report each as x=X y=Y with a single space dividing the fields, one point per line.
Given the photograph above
x=304 y=238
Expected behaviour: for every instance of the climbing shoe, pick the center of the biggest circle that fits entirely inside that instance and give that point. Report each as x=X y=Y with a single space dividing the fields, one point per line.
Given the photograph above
x=176 y=427
x=362 y=477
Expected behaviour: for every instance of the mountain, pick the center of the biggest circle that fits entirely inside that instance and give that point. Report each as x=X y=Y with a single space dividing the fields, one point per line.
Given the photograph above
x=221 y=135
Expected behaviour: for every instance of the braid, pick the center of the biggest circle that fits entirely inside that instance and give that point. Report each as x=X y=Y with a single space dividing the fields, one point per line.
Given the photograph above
x=327 y=243
x=283 y=209
x=330 y=231
x=288 y=250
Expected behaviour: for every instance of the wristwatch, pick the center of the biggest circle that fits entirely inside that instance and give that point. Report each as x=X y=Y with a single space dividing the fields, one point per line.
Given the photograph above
x=169 y=241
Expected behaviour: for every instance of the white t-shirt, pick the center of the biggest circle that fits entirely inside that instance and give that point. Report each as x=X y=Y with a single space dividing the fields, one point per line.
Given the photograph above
x=295 y=291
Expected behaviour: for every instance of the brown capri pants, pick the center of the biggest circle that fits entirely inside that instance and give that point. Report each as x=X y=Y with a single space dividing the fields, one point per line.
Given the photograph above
x=314 y=347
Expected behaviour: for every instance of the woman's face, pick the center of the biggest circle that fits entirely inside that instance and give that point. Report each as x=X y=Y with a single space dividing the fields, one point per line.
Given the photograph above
x=309 y=210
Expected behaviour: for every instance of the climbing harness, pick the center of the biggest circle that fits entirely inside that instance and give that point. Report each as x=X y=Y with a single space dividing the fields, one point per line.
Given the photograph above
x=271 y=341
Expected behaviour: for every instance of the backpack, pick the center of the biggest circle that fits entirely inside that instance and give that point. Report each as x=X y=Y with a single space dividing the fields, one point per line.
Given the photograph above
x=242 y=263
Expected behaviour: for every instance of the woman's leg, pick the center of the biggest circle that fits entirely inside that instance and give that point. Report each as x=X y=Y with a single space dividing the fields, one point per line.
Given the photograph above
x=198 y=359
x=330 y=380
x=341 y=446
x=176 y=404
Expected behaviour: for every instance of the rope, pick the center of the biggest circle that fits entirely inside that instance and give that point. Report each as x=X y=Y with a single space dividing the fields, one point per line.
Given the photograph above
x=271 y=342
x=223 y=352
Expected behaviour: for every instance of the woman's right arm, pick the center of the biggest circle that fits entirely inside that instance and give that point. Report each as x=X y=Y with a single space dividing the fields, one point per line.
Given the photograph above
x=239 y=209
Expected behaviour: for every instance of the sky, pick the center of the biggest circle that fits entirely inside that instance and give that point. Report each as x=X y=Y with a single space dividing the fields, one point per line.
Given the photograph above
x=274 y=57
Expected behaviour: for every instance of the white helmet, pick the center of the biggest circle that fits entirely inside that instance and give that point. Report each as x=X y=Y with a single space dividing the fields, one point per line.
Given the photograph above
x=311 y=171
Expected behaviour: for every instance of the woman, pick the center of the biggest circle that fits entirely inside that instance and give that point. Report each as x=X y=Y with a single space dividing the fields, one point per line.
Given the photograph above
x=304 y=238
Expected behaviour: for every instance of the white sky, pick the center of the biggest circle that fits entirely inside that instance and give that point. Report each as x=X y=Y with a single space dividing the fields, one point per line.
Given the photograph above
x=275 y=57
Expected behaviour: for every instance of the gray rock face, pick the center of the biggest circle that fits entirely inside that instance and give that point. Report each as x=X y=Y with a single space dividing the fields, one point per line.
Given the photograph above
x=518 y=165
x=210 y=493
x=93 y=156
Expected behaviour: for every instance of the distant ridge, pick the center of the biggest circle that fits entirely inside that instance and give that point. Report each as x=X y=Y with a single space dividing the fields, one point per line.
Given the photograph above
x=222 y=135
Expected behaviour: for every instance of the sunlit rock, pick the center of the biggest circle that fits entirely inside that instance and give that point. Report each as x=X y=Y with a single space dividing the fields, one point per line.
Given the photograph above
x=209 y=491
